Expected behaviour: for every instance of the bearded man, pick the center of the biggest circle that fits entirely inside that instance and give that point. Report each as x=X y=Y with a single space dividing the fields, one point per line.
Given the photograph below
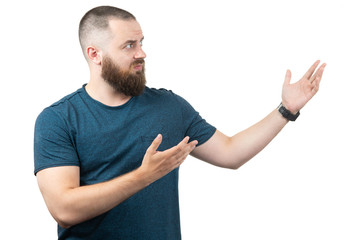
x=107 y=155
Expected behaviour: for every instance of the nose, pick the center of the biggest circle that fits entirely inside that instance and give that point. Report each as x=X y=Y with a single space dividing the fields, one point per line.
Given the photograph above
x=140 y=53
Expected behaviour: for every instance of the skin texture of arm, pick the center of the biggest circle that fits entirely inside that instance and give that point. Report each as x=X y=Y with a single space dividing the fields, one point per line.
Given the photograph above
x=233 y=152
x=70 y=204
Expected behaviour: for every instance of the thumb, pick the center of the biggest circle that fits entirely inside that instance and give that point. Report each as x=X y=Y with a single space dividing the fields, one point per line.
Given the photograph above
x=155 y=144
x=287 y=77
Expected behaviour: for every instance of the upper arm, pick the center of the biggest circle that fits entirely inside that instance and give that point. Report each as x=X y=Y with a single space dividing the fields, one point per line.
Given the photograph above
x=53 y=142
x=214 y=151
x=54 y=182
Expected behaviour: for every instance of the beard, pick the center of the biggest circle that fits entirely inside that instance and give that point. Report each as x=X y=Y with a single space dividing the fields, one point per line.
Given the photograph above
x=124 y=81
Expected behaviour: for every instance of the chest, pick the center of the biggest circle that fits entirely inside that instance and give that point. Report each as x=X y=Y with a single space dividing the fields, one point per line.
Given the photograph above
x=112 y=143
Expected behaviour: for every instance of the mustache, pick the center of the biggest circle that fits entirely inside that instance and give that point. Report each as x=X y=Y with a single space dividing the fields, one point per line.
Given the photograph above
x=138 y=61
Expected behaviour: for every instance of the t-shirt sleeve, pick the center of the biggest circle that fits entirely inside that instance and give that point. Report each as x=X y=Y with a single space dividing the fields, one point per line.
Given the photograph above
x=196 y=127
x=53 y=146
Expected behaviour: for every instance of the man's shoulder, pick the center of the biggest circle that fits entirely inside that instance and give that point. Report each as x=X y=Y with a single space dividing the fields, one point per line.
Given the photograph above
x=67 y=99
x=158 y=92
x=57 y=108
x=163 y=95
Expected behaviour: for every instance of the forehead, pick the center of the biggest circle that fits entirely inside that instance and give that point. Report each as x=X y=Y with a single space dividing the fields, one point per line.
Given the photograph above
x=125 y=30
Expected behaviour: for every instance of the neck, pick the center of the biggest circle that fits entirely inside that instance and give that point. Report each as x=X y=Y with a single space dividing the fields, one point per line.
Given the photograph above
x=99 y=90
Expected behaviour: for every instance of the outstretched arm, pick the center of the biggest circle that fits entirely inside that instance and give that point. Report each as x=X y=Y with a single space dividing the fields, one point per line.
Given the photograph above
x=233 y=152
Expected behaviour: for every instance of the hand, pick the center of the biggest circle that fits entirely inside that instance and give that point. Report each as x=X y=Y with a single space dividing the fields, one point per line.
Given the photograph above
x=157 y=164
x=296 y=95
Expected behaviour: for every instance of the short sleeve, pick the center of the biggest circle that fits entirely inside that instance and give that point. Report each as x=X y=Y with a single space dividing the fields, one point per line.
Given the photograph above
x=196 y=127
x=53 y=146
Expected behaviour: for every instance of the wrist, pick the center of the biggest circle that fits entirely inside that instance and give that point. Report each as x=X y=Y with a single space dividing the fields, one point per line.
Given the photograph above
x=143 y=176
x=290 y=108
x=288 y=114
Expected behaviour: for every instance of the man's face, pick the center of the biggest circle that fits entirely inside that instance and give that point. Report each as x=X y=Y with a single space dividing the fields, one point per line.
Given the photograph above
x=123 y=65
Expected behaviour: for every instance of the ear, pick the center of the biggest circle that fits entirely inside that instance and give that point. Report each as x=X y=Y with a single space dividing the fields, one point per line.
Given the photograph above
x=94 y=55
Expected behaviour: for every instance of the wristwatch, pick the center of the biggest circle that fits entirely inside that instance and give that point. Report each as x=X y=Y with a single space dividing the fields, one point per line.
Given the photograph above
x=287 y=114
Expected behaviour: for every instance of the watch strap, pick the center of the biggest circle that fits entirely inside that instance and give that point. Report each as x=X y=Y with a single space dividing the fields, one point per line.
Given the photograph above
x=287 y=114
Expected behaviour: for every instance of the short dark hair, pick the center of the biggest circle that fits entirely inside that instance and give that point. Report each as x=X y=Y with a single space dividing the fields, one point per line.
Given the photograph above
x=97 y=20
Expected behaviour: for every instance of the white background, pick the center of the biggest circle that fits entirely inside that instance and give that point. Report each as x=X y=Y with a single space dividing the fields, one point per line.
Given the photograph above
x=228 y=59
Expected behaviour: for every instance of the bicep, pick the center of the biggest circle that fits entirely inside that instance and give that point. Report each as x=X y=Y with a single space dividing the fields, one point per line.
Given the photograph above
x=55 y=181
x=214 y=151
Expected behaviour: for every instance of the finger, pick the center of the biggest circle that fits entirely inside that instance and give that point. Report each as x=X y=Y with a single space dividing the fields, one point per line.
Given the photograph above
x=178 y=148
x=184 y=153
x=182 y=147
x=315 y=86
x=184 y=141
x=287 y=77
x=182 y=150
x=187 y=147
x=319 y=73
x=194 y=144
x=181 y=156
x=155 y=144
x=317 y=78
x=180 y=161
x=311 y=70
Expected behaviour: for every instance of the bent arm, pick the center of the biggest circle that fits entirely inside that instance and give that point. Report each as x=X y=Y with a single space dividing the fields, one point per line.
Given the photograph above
x=70 y=204
x=232 y=152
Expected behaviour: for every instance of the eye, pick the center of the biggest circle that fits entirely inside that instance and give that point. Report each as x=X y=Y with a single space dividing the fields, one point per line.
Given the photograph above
x=130 y=45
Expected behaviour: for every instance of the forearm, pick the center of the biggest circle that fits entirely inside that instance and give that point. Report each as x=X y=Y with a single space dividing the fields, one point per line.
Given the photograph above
x=71 y=204
x=246 y=144
x=233 y=152
x=79 y=204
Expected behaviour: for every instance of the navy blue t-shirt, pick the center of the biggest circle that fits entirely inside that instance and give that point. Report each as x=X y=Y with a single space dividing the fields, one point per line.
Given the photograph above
x=106 y=142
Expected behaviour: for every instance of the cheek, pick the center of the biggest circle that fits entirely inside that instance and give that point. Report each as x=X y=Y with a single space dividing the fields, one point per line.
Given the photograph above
x=124 y=63
x=121 y=59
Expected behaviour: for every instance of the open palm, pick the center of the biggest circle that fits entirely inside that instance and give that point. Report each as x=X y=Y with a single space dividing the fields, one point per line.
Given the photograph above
x=296 y=95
